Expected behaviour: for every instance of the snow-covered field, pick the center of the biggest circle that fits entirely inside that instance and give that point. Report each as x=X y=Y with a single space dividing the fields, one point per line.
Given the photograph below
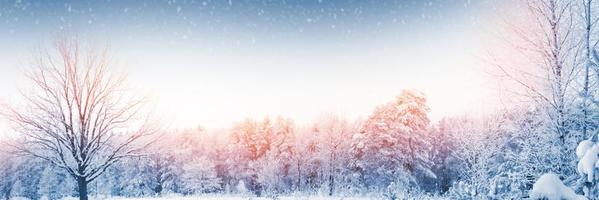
x=244 y=198
x=230 y=197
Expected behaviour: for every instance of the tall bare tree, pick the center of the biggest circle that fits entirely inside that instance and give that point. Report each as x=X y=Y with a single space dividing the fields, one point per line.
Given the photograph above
x=79 y=116
x=588 y=25
x=551 y=48
x=590 y=52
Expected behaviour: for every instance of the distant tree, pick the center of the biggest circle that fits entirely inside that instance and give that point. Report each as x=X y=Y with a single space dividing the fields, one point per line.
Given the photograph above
x=302 y=155
x=134 y=181
x=19 y=189
x=393 y=144
x=7 y=172
x=50 y=183
x=275 y=173
x=200 y=176
x=79 y=116
x=250 y=140
x=334 y=132
x=160 y=172
x=443 y=155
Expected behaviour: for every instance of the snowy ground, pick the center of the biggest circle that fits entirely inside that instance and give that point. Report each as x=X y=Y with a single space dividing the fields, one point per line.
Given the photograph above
x=228 y=197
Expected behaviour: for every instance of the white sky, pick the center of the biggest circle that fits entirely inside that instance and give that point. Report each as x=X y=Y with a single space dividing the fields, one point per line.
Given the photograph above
x=216 y=81
x=221 y=86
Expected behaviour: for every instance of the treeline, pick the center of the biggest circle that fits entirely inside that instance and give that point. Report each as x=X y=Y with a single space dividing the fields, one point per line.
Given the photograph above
x=395 y=153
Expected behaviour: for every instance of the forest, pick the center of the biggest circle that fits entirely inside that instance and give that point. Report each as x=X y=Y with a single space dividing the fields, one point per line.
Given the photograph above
x=79 y=132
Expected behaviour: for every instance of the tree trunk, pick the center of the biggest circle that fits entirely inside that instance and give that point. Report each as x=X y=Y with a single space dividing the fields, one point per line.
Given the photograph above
x=82 y=188
x=331 y=173
x=587 y=16
x=158 y=187
x=331 y=184
x=299 y=176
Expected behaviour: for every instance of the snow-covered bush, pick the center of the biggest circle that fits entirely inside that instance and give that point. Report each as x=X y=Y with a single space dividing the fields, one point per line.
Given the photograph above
x=588 y=153
x=588 y=166
x=550 y=187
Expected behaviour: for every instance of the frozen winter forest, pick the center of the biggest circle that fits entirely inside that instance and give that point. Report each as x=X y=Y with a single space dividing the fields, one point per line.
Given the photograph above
x=306 y=99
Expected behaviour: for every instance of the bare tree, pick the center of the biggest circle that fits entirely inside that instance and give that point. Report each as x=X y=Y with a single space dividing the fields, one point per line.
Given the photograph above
x=78 y=115
x=591 y=62
x=551 y=49
x=590 y=51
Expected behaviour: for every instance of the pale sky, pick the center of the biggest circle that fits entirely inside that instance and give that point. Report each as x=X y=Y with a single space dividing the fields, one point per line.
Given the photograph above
x=212 y=63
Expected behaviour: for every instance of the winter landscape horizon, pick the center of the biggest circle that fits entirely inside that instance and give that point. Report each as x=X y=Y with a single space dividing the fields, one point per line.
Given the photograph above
x=306 y=99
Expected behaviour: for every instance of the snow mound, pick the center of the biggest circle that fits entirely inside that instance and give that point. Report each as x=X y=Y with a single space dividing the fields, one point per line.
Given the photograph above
x=550 y=187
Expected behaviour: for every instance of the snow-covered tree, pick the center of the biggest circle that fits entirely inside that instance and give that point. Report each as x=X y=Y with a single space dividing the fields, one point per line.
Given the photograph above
x=275 y=173
x=19 y=189
x=303 y=154
x=159 y=171
x=333 y=133
x=54 y=184
x=8 y=171
x=444 y=156
x=393 y=144
x=77 y=115
x=199 y=176
x=245 y=148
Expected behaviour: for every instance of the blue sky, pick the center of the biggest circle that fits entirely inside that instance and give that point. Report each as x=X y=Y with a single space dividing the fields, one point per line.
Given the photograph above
x=212 y=63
